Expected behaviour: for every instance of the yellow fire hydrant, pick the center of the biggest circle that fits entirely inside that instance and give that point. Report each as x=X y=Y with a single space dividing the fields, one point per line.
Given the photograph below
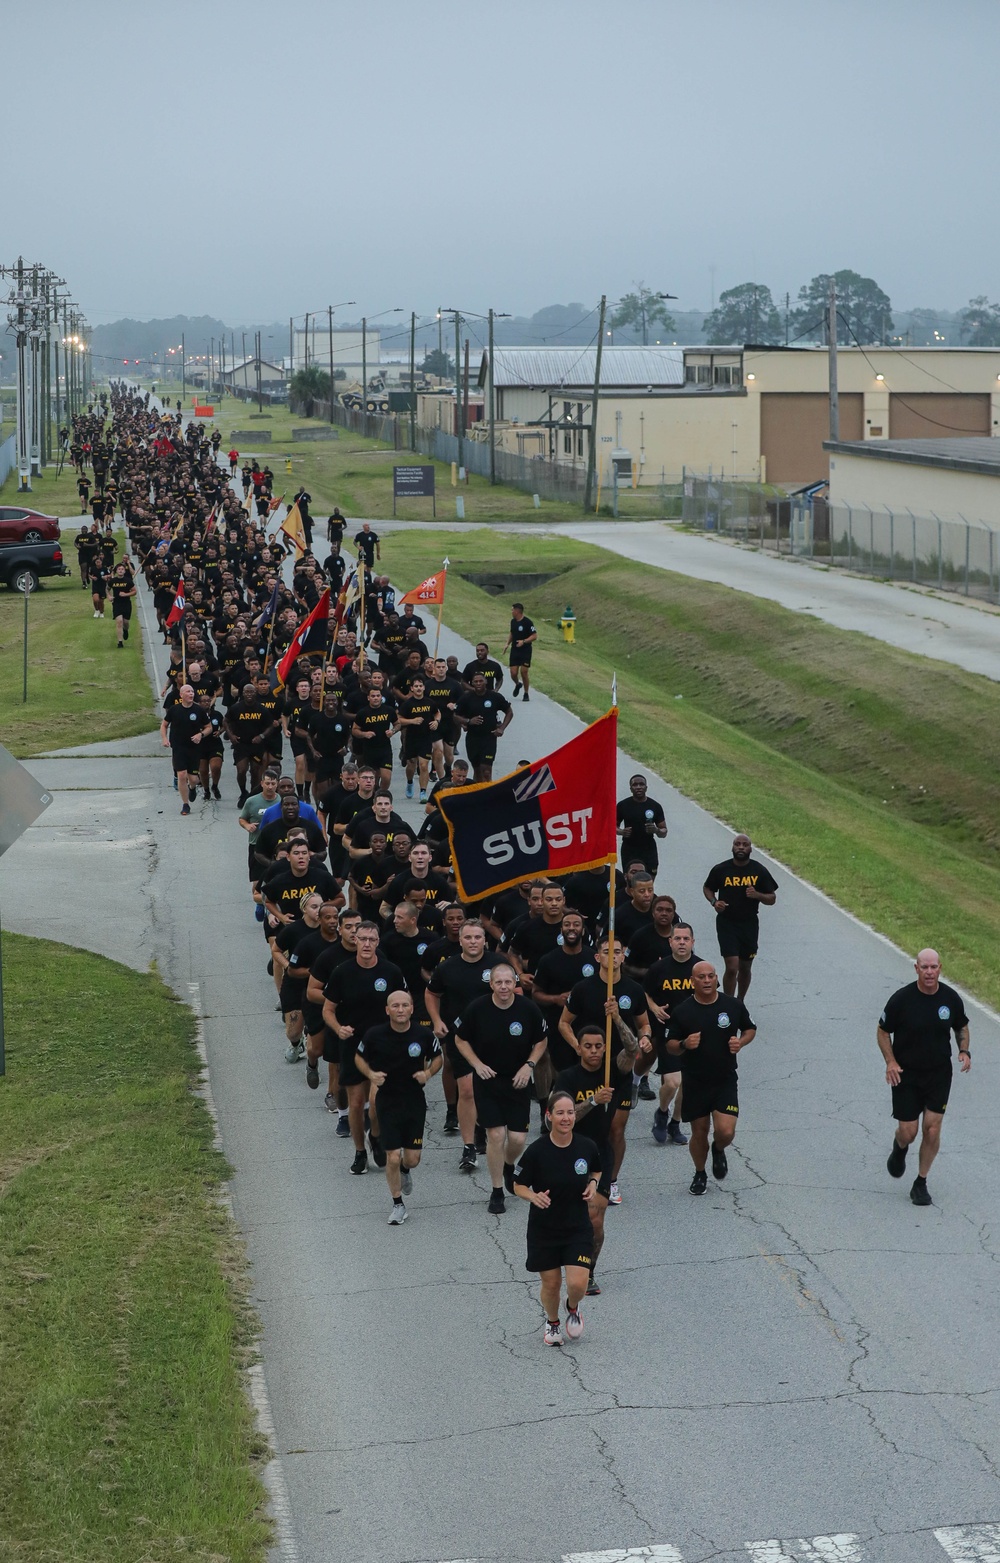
x=566 y=624
x=288 y=465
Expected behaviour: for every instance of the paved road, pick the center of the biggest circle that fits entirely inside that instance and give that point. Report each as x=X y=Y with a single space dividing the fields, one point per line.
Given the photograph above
x=800 y=1354
x=933 y=624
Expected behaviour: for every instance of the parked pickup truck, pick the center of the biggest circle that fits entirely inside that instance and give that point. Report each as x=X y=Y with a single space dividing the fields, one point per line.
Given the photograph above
x=20 y=562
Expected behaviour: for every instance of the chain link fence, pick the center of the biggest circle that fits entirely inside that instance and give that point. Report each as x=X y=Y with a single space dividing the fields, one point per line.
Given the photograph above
x=8 y=458
x=888 y=545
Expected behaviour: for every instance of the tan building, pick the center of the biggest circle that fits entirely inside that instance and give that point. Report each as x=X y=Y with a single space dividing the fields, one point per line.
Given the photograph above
x=751 y=412
x=953 y=480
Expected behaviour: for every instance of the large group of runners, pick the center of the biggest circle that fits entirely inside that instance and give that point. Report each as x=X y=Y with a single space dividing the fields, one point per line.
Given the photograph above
x=382 y=977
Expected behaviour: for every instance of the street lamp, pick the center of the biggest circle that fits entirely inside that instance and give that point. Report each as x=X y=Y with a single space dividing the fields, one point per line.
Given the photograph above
x=364 y=350
x=459 y=401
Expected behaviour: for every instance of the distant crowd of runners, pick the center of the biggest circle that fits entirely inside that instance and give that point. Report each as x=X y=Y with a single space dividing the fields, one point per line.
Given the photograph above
x=383 y=978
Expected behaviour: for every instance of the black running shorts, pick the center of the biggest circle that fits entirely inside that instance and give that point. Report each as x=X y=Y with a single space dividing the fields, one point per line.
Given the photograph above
x=702 y=1097
x=921 y=1090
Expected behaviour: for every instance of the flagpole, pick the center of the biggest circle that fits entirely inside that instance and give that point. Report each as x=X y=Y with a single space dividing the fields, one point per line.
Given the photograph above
x=611 y=911
x=444 y=583
x=270 y=642
x=184 y=655
x=361 y=612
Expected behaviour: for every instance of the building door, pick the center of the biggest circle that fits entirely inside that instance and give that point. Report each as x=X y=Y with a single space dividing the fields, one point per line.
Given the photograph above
x=793 y=426
x=925 y=415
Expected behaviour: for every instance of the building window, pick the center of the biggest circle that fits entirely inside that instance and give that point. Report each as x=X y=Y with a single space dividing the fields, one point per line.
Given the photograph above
x=704 y=374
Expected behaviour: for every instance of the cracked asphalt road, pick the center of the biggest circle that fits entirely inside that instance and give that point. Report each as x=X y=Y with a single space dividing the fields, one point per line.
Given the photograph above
x=799 y=1352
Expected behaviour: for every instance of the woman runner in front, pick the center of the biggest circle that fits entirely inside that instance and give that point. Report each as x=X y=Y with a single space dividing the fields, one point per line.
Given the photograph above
x=558 y=1175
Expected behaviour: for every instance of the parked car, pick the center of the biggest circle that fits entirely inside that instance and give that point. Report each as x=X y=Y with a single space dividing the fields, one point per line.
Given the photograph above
x=19 y=525
x=21 y=562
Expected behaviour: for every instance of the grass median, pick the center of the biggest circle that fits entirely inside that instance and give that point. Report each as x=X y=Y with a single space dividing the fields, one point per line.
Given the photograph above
x=124 y=1431
x=356 y=473
x=871 y=772
x=81 y=688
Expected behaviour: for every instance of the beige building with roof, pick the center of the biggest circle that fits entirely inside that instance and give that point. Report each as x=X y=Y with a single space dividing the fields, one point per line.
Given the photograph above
x=752 y=412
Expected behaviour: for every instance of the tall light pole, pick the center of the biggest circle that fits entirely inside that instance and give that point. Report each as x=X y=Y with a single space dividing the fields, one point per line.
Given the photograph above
x=494 y=314
x=832 y=361
x=364 y=350
x=329 y=311
x=592 y=449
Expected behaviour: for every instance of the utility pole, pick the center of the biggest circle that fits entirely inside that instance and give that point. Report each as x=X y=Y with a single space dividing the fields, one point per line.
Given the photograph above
x=588 y=492
x=787 y=305
x=243 y=339
x=465 y=391
x=307 y=339
x=19 y=321
x=329 y=315
x=492 y=406
x=364 y=364
x=831 y=332
x=36 y=411
x=459 y=425
x=260 y=392
x=413 y=379
x=184 y=381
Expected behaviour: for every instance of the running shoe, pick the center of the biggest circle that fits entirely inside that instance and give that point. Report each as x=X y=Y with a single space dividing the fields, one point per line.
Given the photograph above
x=720 y=1165
x=409 y=789
x=527 y=697
x=312 y=1075
x=406 y=1180
x=186 y=809
x=343 y=1125
x=359 y=1164
x=398 y=1215
x=574 y=1324
x=423 y=795
x=451 y=1121
x=469 y=1161
x=919 y=1194
x=699 y=1183
x=593 y=1290
x=378 y=1154
x=660 y=1126
x=294 y=1052
x=121 y=645
x=515 y=691
x=614 y=1198
x=497 y=1204
x=675 y=1134
x=216 y=793
x=553 y=1334
x=646 y=1092
x=896 y=1165
x=330 y=1103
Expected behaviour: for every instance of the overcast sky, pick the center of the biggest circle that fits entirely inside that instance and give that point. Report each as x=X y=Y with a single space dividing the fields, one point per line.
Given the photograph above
x=254 y=160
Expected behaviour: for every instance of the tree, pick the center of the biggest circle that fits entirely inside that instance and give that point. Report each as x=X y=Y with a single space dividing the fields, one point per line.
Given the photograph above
x=981 y=323
x=308 y=386
x=864 y=312
x=640 y=311
x=745 y=314
x=438 y=363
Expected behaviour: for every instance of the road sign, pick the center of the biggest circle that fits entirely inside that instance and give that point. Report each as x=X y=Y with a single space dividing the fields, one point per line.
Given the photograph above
x=413 y=483
x=22 y=799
